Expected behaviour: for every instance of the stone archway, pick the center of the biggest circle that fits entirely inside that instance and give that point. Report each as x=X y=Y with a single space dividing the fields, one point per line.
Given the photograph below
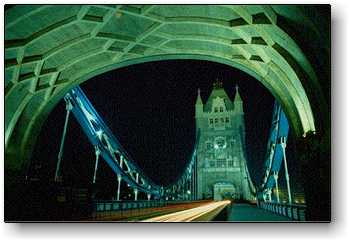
x=223 y=191
x=51 y=48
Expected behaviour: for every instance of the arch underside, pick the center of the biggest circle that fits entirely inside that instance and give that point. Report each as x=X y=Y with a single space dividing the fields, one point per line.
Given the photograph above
x=50 y=49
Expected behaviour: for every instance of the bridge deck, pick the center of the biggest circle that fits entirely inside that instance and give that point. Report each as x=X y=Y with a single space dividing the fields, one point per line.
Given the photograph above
x=249 y=213
x=145 y=213
x=204 y=212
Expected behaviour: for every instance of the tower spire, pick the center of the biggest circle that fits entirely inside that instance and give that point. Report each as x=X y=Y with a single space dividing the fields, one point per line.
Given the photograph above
x=237 y=95
x=198 y=99
x=238 y=101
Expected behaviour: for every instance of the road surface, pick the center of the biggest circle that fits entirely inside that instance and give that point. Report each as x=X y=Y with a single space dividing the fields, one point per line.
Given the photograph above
x=193 y=214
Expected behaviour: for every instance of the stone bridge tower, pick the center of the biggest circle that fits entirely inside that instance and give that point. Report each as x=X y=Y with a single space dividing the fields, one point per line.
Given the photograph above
x=221 y=163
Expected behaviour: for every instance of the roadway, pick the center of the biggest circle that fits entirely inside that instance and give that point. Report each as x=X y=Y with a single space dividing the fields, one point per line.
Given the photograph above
x=235 y=212
x=202 y=213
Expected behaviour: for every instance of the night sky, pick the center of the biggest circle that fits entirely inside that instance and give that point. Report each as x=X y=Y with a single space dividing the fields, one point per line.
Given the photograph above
x=150 y=108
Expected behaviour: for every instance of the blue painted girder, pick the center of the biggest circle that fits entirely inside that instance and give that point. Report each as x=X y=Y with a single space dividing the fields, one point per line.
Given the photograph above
x=279 y=129
x=100 y=136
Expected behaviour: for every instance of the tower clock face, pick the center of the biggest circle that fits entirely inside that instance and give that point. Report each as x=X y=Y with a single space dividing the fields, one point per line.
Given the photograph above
x=220 y=143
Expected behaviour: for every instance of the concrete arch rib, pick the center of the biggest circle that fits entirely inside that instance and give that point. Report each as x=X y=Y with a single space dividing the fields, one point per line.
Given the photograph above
x=30 y=132
x=117 y=36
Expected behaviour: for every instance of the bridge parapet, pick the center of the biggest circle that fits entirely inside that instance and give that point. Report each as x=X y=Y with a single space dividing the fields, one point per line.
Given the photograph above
x=119 y=210
x=295 y=212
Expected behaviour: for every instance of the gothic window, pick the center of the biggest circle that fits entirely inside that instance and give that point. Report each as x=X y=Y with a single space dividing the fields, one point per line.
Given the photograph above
x=236 y=162
x=233 y=142
x=212 y=164
x=221 y=163
x=222 y=120
x=211 y=121
x=216 y=109
x=216 y=120
x=209 y=146
x=227 y=119
x=230 y=163
x=221 y=109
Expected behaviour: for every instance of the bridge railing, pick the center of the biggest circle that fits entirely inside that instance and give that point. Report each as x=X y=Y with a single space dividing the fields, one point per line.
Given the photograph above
x=293 y=211
x=113 y=208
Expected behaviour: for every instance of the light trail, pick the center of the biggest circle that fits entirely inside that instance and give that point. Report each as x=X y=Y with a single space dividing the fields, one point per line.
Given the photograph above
x=190 y=214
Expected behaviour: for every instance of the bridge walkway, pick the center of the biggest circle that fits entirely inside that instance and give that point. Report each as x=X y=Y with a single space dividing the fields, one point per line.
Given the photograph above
x=240 y=212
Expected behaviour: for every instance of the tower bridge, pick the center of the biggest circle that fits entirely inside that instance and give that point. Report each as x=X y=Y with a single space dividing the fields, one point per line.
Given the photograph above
x=221 y=148
x=51 y=49
x=215 y=170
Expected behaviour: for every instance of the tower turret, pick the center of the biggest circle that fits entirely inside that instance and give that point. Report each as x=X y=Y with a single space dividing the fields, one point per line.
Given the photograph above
x=198 y=105
x=238 y=101
x=199 y=111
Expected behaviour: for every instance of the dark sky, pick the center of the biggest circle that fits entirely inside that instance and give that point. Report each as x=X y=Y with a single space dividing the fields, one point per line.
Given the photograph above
x=150 y=109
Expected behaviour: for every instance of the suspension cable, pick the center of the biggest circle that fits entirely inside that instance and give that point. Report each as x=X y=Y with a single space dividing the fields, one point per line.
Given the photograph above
x=68 y=107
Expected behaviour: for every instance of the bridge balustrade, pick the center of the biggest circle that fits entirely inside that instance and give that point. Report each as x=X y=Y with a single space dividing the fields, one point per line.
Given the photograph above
x=110 y=208
x=293 y=211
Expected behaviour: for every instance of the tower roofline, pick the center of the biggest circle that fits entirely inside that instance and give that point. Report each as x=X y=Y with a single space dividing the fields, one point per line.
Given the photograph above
x=237 y=94
x=217 y=84
x=198 y=98
x=218 y=91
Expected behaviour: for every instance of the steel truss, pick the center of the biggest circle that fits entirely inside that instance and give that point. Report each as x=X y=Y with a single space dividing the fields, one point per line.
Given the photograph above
x=109 y=148
x=276 y=155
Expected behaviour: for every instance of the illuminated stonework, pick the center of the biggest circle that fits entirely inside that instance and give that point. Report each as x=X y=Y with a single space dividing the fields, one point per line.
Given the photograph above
x=221 y=147
x=49 y=49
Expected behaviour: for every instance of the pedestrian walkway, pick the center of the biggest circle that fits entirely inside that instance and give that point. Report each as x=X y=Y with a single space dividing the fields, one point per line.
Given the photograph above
x=250 y=213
